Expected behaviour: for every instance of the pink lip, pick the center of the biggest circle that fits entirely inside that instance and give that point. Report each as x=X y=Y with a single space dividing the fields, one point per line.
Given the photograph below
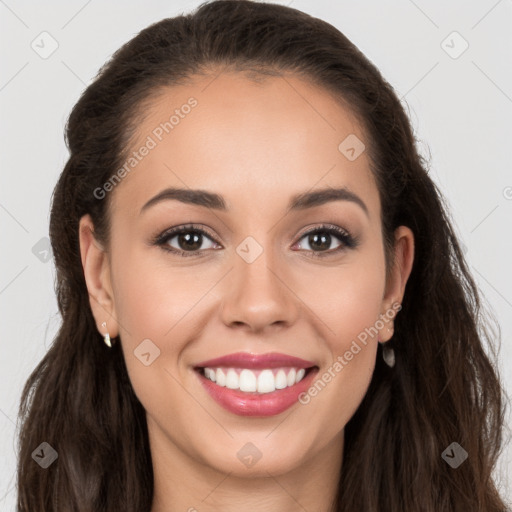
x=257 y=404
x=256 y=361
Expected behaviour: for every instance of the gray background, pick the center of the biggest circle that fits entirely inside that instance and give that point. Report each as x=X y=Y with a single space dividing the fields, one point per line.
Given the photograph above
x=460 y=109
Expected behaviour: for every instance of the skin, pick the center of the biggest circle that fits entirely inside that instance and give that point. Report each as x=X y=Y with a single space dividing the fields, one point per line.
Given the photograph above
x=256 y=144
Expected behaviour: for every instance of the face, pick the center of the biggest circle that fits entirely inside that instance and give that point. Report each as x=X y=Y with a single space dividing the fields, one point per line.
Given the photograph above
x=264 y=271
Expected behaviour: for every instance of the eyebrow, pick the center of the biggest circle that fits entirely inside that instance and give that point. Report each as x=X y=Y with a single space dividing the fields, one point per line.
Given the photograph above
x=216 y=201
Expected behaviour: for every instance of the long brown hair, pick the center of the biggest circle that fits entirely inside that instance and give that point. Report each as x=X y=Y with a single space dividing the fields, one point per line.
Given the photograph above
x=444 y=387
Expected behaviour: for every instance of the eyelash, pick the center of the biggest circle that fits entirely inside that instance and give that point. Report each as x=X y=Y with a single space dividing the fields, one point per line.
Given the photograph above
x=348 y=241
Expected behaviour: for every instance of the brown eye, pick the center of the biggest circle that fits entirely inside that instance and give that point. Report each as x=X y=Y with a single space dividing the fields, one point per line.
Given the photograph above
x=319 y=240
x=185 y=240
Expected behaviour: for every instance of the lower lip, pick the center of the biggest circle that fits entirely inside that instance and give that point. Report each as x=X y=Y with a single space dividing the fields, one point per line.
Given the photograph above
x=257 y=404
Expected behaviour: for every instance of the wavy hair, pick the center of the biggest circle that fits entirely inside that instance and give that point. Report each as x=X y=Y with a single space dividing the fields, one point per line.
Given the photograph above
x=445 y=386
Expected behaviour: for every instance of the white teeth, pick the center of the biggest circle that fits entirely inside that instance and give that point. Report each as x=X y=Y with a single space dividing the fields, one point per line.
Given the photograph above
x=232 y=379
x=281 y=381
x=266 y=382
x=210 y=374
x=220 y=377
x=247 y=380
x=291 y=377
x=261 y=381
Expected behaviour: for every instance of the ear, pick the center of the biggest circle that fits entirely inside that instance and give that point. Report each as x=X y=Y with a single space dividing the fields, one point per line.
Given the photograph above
x=395 y=285
x=96 y=266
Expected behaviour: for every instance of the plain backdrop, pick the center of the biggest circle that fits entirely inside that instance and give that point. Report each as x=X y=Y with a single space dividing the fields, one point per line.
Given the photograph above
x=450 y=63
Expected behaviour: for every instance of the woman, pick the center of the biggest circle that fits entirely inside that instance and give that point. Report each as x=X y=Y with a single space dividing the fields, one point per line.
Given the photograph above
x=264 y=303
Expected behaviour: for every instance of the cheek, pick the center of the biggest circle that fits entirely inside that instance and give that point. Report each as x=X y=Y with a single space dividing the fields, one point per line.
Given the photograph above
x=347 y=301
x=156 y=305
x=153 y=298
x=348 y=321
x=347 y=298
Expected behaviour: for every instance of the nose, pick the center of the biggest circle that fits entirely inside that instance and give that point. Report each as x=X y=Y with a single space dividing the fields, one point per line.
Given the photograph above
x=259 y=295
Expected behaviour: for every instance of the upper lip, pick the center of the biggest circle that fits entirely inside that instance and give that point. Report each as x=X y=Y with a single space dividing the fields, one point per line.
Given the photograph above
x=257 y=361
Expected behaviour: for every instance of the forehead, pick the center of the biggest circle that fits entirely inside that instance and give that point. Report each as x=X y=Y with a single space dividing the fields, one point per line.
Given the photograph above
x=250 y=141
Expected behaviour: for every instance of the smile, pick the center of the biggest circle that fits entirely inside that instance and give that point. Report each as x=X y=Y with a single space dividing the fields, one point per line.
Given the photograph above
x=249 y=384
x=260 y=381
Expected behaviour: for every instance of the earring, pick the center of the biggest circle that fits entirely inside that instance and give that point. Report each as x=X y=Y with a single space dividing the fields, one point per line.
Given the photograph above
x=106 y=339
x=388 y=354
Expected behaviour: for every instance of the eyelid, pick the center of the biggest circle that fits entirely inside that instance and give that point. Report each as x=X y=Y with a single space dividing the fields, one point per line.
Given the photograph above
x=325 y=226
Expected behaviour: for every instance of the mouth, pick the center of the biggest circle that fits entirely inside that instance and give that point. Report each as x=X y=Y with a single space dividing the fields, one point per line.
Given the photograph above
x=255 y=381
x=254 y=392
